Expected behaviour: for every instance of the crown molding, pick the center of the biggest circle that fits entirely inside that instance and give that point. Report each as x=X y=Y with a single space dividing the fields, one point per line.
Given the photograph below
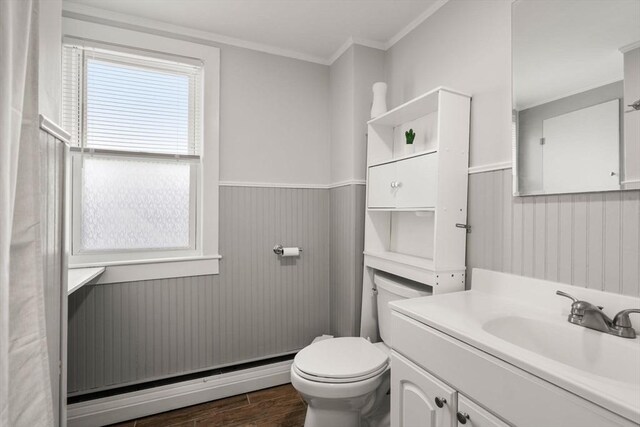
x=354 y=41
x=630 y=47
x=415 y=23
x=341 y=50
x=121 y=20
x=101 y=16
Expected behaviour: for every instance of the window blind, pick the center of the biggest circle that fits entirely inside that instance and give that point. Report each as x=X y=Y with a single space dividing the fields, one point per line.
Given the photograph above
x=124 y=102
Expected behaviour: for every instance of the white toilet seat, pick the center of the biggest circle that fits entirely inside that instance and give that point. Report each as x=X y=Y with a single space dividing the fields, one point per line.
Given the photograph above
x=345 y=380
x=340 y=360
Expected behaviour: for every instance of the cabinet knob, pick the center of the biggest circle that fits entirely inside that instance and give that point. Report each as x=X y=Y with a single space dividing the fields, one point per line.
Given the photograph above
x=393 y=184
x=440 y=401
x=462 y=417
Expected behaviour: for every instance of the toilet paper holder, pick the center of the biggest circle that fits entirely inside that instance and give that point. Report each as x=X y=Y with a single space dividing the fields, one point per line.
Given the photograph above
x=279 y=249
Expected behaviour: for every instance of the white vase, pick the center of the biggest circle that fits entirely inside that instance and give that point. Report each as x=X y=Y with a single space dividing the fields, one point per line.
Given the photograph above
x=379 y=105
x=409 y=149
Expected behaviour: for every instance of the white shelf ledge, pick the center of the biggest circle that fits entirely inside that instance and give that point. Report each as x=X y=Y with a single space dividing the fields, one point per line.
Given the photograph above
x=416 y=108
x=411 y=260
x=415 y=268
x=401 y=209
x=78 y=277
x=398 y=159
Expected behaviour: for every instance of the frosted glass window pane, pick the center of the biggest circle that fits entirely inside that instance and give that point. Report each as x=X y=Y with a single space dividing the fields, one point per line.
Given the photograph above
x=134 y=204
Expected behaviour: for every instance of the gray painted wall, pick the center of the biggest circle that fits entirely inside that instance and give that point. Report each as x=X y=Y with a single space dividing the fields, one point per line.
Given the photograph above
x=530 y=129
x=258 y=306
x=346 y=230
x=465 y=45
x=589 y=240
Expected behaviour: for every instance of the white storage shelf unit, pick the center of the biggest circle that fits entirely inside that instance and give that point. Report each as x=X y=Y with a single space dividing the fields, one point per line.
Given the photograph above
x=415 y=198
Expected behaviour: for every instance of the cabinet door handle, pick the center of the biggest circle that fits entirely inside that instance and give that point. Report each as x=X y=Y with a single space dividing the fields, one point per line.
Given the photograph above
x=440 y=401
x=393 y=184
x=462 y=417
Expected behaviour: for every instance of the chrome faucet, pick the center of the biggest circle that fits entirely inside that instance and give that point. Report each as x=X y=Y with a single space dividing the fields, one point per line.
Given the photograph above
x=590 y=316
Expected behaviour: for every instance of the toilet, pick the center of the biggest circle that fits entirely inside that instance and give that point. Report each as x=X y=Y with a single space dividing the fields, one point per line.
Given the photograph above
x=345 y=381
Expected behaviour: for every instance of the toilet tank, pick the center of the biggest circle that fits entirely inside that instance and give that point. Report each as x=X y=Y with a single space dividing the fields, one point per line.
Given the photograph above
x=393 y=288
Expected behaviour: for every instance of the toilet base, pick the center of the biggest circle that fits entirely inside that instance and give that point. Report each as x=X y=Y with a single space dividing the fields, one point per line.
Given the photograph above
x=348 y=417
x=318 y=417
x=370 y=410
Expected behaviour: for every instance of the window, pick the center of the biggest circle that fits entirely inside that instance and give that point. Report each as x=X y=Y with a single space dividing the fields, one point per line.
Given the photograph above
x=136 y=126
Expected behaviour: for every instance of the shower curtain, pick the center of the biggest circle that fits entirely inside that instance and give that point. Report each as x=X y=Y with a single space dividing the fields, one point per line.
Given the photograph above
x=25 y=390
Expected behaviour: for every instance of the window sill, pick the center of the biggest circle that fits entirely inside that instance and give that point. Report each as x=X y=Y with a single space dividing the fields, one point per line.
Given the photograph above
x=149 y=269
x=78 y=277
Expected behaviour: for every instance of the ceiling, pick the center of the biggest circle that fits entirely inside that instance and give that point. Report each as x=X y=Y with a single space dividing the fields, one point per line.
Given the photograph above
x=565 y=47
x=315 y=29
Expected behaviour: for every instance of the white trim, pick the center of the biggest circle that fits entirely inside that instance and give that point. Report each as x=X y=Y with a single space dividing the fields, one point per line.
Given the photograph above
x=630 y=184
x=138 y=404
x=342 y=49
x=208 y=213
x=373 y=44
x=145 y=261
x=490 y=167
x=415 y=23
x=78 y=277
x=630 y=47
x=348 y=182
x=132 y=271
x=353 y=41
x=566 y=95
x=120 y=20
x=135 y=154
x=291 y=185
x=271 y=185
x=54 y=130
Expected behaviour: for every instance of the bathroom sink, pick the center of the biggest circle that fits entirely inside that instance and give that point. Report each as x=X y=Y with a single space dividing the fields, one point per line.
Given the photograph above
x=593 y=352
x=523 y=322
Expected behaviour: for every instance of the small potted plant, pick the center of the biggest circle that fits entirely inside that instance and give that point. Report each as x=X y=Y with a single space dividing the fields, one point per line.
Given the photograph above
x=410 y=135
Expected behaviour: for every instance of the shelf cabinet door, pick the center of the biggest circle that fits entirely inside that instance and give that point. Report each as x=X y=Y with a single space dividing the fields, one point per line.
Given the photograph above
x=381 y=192
x=476 y=415
x=417 y=179
x=413 y=397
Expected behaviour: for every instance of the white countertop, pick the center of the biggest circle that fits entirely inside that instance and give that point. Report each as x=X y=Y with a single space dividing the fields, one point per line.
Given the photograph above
x=464 y=316
x=78 y=277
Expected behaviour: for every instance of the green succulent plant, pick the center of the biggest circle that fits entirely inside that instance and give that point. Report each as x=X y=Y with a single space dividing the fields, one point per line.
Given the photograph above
x=410 y=135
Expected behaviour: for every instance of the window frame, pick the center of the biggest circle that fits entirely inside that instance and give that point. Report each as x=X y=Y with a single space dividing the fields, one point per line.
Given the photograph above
x=204 y=257
x=80 y=256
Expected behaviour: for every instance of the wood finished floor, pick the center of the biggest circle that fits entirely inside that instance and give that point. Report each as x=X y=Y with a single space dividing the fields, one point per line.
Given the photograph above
x=277 y=406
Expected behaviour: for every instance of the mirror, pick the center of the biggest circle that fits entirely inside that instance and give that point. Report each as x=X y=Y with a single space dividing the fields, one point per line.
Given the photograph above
x=576 y=77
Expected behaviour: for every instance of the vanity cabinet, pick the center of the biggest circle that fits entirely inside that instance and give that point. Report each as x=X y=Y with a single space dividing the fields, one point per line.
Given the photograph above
x=420 y=399
x=475 y=415
x=426 y=362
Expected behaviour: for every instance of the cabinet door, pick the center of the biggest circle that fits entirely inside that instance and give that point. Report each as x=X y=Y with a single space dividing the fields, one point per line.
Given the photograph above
x=417 y=181
x=471 y=415
x=381 y=191
x=416 y=397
